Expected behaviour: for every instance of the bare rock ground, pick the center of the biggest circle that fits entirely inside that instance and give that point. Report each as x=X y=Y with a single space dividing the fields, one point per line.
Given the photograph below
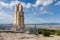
x=24 y=36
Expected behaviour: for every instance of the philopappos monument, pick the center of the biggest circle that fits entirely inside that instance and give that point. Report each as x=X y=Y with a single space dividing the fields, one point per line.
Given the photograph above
x=19 y=18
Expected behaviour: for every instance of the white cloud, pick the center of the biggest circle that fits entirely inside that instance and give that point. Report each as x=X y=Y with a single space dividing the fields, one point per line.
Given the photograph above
x=3 y=4
x=6 y=18
x=28 y=5
x=8 y=5
x=58 y=3
x=44 y=11
x=13 y=3
x=42 y=2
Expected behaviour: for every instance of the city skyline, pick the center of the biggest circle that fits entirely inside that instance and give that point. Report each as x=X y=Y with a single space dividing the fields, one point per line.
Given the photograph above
x=35 y=11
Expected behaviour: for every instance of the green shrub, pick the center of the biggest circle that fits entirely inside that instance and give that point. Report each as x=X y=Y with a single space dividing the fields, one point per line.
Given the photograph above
x=57 y=32
x=46 y=33
x=40 y=31
x=52 y=32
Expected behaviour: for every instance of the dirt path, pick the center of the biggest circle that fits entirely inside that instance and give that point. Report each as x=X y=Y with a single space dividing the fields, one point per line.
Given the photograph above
x=24 y=36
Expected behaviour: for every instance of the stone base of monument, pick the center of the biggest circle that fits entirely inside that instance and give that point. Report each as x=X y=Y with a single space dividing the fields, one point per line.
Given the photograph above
x=19 y=31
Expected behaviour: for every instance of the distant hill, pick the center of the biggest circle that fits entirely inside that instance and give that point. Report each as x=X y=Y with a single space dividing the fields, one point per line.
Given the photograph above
x=6 y=26
x=50 y=24
x=45 y=24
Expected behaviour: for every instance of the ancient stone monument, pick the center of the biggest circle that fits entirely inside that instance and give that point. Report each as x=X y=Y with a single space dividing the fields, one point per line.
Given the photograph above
x=19 y=18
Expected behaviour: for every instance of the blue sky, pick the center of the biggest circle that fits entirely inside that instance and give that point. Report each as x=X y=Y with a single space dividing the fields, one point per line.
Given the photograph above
x=35 y=11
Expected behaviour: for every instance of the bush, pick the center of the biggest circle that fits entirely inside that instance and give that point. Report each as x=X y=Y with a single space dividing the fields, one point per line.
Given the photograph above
x=40 y=31
x=57 y=32
x=46 y=33
x=52 y=32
